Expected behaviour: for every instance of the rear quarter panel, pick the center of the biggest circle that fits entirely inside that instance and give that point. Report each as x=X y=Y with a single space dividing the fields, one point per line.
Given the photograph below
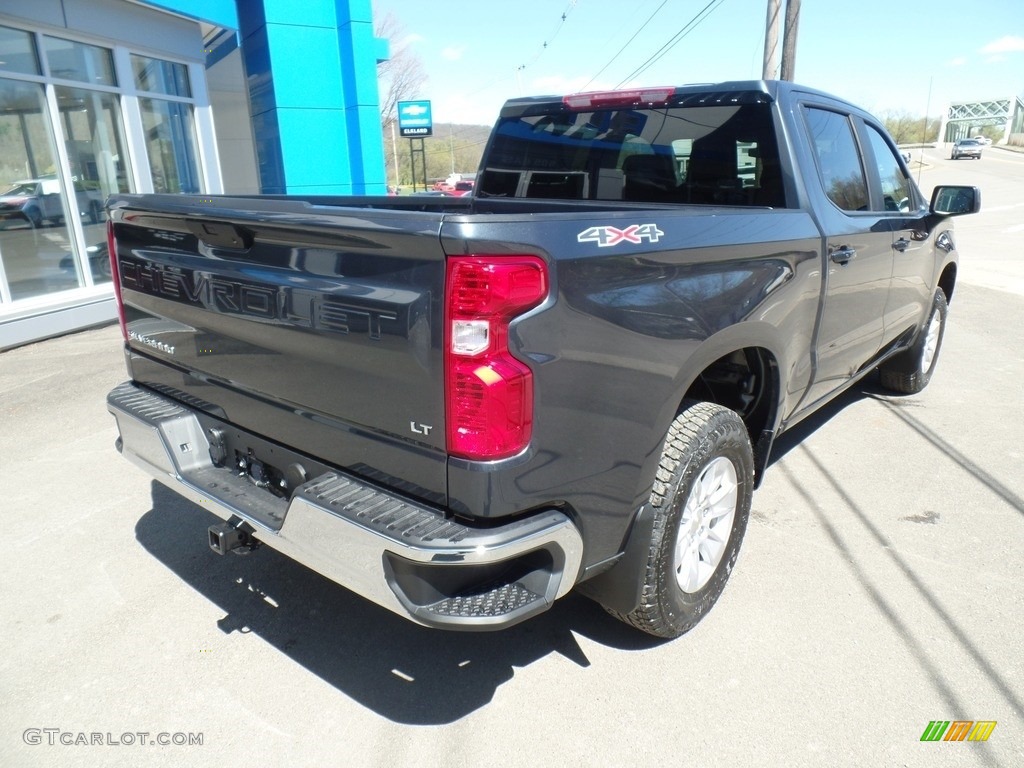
x=624 y=333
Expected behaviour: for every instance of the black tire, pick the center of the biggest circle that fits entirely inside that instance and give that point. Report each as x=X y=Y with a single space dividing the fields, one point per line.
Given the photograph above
x=698 y=440
x=910 y=371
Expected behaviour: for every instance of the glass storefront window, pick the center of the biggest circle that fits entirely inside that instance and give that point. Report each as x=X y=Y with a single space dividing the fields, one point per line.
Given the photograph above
x=18 y=52
x=171 y=145
x=34 y=242
x=69 y=60
x=94 y=138
x=159 y=76
x=65 y=149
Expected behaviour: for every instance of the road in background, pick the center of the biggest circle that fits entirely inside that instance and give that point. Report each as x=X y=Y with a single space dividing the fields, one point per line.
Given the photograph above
x=878 y=589
x=990 y=242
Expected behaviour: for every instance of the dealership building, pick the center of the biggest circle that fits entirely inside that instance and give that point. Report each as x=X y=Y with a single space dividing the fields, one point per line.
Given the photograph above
x=99 y=97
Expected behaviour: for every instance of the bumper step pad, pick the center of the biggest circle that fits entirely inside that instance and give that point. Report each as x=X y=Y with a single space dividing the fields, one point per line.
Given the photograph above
x=500 y=601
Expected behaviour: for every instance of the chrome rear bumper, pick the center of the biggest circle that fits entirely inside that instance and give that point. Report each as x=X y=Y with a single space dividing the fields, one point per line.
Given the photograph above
x=401 y=554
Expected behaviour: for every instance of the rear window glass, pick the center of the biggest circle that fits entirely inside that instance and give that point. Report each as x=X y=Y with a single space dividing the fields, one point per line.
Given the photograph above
x=712 y=155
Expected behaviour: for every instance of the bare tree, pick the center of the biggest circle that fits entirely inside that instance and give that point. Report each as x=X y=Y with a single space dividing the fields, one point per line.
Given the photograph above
x=901 y=126
x=401 y=77
x=906 y=128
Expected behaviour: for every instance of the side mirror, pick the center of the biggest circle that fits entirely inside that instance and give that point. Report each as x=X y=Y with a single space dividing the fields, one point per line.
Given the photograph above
x=955 y=200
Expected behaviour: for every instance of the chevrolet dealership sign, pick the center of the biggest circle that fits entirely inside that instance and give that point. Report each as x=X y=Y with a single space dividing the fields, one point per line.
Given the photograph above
x=414 y=118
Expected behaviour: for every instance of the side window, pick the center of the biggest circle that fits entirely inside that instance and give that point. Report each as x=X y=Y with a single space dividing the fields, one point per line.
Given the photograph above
x=895 y=185
x=838 y=159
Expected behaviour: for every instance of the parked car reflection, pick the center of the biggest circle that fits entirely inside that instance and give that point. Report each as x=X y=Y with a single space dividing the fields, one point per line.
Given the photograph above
x=39 y=201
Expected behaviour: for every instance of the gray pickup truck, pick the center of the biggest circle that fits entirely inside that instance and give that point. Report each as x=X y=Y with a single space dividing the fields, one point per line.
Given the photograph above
x=463 y=408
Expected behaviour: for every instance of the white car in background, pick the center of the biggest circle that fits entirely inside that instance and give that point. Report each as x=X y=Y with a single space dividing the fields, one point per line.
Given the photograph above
x=39 y=201
x=966 y=148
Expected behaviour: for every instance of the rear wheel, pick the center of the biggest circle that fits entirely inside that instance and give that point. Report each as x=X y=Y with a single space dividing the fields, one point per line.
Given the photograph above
x=700 y=502
x=910 y=371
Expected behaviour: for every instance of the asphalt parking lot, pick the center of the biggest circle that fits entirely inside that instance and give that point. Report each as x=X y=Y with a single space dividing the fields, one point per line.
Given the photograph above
x=878 y=589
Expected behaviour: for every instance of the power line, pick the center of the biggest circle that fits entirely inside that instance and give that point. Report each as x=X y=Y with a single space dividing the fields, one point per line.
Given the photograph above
x=551 y=37
x=626 y=45
x=545 y=45
x=687 y=28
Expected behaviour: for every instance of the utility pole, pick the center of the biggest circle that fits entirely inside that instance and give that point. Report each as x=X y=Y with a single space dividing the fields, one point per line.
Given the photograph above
x=394 y=153
x=789 y=39
x=769 y=69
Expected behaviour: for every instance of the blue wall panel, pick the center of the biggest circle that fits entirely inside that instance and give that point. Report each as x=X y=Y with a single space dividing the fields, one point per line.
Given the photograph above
x=316 y=155
x=309 y=13
x=312 y=72
x=306 y=67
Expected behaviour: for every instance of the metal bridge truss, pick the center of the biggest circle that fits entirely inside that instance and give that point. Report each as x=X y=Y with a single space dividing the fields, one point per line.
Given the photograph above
x=965 y=118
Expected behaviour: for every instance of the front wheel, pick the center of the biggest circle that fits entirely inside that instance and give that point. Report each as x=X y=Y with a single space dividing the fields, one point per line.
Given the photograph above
x=700 y=504
x=910 y=371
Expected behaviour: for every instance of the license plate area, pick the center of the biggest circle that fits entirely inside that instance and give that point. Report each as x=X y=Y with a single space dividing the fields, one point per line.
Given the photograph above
x=265 y=465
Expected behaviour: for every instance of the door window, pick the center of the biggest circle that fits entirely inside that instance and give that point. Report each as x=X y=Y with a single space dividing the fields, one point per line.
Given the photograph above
x=838 y=159
x=895 y=193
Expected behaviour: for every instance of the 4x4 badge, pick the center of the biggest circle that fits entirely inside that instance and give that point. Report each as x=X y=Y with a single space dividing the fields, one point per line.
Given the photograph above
x=606 y=236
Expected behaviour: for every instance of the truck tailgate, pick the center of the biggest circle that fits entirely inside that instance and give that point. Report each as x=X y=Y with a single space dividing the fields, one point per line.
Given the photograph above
x=296 y=320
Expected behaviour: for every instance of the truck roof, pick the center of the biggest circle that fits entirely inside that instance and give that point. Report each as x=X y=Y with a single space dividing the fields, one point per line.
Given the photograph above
x=732 y=91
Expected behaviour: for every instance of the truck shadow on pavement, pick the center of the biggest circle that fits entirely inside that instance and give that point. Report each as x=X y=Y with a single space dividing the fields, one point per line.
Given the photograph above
x=852 y=507
x=418 y=676
x=898 y=406
x=797 y=434
x=404 y=672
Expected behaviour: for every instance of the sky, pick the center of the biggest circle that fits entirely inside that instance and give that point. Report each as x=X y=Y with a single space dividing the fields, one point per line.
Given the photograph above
x=884 y=56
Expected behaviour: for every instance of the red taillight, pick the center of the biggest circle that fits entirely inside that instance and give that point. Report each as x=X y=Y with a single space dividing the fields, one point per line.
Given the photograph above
x=115 y=277
x=603 y=99
x=488 y=392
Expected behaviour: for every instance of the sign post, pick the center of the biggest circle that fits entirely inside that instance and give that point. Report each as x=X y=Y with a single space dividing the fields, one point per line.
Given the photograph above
x=415 y=122
x=414 y=119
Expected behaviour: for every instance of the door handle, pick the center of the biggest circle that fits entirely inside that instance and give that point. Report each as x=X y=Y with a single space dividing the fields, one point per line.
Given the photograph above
x=901 y=245
x=842 y=255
